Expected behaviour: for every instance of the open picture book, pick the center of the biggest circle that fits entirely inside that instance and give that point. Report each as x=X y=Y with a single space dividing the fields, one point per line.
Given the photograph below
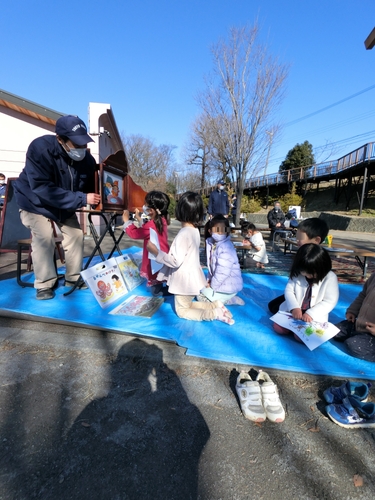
x=312 y=334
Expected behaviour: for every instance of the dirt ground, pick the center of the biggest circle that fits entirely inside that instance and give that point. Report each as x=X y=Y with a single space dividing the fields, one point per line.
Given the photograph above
x=92 y=415
x=87 y=414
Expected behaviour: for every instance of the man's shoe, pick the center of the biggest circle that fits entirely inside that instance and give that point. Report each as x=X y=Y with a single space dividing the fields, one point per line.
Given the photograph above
x=45 y=294
x=81 y=286
x=337 y=394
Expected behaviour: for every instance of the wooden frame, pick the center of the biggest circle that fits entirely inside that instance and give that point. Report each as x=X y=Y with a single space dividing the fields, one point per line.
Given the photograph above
x=117 y=189
x=111 y=183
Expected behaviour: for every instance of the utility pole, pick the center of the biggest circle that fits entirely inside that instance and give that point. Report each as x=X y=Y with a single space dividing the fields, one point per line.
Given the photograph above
x=270 y=133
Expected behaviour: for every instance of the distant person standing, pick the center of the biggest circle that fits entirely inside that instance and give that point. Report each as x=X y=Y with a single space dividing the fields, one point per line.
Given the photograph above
x=219 y=202
x=3 y=187
x=58 y=179
x=276 y=217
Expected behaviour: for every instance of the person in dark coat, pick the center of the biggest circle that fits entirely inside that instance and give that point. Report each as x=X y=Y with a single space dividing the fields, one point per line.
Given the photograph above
x=276 y=217
x=58 y=179
x=218 y=202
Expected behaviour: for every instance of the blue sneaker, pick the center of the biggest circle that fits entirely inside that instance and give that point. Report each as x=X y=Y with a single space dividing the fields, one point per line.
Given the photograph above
x=352 y=413
x=348 y=388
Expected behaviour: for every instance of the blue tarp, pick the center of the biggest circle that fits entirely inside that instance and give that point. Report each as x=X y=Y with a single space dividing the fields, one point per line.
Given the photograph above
x=251 y=341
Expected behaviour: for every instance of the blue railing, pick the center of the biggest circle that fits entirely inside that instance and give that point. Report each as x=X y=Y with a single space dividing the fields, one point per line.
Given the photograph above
x=356 y=157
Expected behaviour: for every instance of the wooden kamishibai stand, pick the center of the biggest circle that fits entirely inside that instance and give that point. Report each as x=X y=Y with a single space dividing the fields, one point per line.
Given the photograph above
x=118 y=192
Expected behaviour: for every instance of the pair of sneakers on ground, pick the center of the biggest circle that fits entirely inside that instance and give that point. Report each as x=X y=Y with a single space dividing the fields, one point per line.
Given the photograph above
x=348 y=407
x=259 y=398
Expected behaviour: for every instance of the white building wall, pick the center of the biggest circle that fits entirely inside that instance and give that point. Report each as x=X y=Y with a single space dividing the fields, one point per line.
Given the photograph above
x=17 y=131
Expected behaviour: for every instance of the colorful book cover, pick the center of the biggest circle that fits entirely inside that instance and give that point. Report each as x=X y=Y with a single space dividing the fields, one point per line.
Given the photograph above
x=136 y=305
x=129 y=271
x=312 y=334
x=105 y=282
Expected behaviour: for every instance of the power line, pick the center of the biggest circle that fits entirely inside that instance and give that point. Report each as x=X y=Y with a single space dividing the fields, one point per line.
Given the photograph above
x=329 y=107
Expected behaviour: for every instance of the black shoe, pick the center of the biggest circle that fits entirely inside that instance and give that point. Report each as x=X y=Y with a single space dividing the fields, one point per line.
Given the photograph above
x=45 y=294
x=81 y=286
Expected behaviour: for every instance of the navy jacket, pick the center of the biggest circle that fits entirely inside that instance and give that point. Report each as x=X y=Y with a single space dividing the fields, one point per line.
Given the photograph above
x=51 y=183
x=218 y=203
x=275 y=217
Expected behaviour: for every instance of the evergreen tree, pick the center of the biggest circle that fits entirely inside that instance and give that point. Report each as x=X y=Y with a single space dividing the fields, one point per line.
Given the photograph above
x=299 y=156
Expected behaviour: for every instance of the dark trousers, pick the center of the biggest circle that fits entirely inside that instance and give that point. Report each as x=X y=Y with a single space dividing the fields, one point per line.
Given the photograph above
x=360 y=344
x=274 y=305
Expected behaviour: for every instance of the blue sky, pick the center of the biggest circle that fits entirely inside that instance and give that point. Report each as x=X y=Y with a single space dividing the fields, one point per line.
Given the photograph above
x=148 y=59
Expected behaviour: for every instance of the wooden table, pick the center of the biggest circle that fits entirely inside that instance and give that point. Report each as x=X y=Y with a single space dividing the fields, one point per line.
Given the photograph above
x=359 y=254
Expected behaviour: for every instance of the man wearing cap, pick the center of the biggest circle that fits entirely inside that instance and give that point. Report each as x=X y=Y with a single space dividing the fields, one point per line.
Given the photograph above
x=218 y=202
x=58 y=178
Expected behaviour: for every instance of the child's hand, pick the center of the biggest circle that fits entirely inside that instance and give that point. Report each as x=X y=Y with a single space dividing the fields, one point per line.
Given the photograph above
x=370 y=327
x=246 y=243
x=125 y=216
x=152 y=248
x=350 y=317
x=296 y=313
x=306 y=317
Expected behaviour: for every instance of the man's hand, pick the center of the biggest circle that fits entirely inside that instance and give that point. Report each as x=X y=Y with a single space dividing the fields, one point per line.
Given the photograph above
x=297 y=313
x=93 y=199
x=152 y=248
x=370 y=327
x=350 y=317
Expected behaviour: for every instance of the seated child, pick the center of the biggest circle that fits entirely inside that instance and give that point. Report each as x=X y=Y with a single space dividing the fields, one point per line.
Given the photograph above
x=182 y=269
x=312 y=230
x=257 y=247
x=358 y=329
x=224 y=278
x=312 y=290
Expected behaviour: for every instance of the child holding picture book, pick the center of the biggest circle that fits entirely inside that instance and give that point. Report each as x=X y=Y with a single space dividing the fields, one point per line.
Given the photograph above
x=181 y=265
x=156 y=208
x=312 y=290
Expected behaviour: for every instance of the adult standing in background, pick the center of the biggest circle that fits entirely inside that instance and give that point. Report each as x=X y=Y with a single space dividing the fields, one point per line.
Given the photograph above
x=58 y=179
x=218 y=202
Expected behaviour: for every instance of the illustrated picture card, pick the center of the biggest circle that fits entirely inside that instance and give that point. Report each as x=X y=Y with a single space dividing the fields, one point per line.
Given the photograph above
x=136 y=305
x=312 y=334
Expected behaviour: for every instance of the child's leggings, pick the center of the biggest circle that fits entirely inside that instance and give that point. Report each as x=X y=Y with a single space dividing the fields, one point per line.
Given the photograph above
x=196 y=311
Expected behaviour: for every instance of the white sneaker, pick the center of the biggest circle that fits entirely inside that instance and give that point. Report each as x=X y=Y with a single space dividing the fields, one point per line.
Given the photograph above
x=270 y=398
x=250 y=398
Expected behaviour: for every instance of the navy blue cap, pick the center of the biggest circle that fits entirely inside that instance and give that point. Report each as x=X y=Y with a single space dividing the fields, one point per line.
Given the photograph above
x=221 y=181
x=74 y=129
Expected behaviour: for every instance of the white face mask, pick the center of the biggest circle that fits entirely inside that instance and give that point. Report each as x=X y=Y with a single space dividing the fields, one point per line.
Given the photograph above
x=218 y=237
x=221 y=188
x=145 y=210
x=77 y=154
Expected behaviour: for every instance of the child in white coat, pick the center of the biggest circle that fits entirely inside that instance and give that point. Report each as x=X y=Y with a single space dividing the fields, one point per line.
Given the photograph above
x=312 y=290
x=182 y=270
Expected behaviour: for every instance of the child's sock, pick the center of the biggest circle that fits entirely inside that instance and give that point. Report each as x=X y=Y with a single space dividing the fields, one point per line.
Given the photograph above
x=235 y=301
x=221 y=316
x=221 y=306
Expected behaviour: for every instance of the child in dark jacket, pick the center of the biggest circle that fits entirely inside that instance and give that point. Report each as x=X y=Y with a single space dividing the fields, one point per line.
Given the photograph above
x=358 y=329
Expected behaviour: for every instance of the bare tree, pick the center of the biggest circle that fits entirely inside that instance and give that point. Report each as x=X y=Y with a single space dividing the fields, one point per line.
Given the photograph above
x=239 y=102
x=197 y=152
x=149 y=164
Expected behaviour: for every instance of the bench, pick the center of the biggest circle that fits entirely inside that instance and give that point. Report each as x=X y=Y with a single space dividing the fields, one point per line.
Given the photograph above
x=359 y=254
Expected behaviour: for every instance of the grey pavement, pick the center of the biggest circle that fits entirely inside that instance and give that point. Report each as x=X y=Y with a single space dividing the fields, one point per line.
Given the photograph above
x=90 y=414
